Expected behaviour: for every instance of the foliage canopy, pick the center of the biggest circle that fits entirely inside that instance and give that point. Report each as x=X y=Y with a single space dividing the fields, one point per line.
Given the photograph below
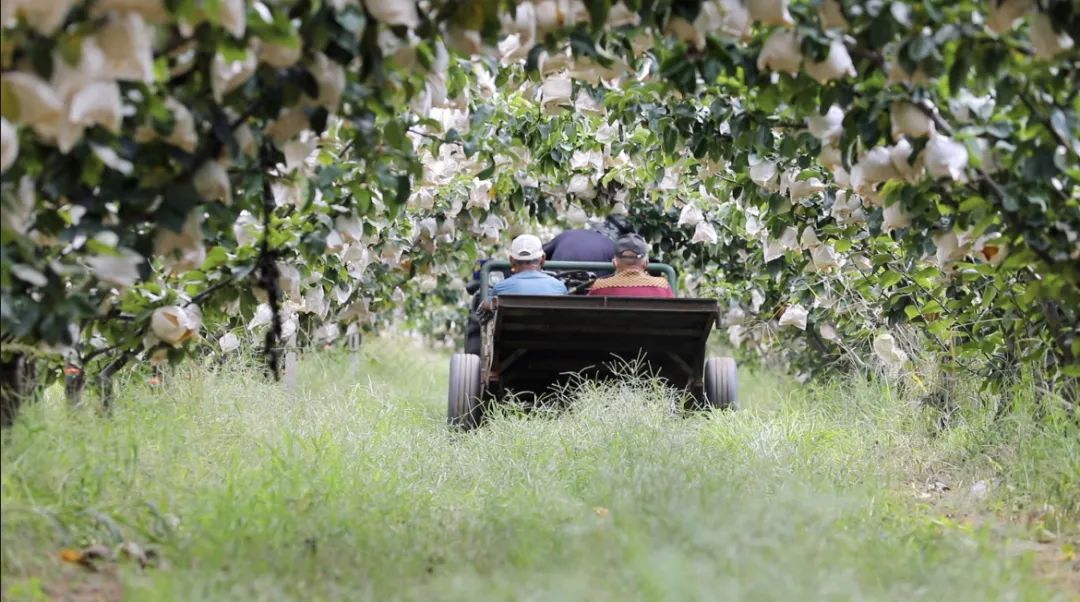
x=177 y=170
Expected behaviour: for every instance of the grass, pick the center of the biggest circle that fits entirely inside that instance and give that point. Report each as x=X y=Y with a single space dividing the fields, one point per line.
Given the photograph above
x=351 y=487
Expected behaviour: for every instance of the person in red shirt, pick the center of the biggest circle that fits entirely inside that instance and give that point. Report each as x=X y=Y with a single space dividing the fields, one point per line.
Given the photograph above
x=631 y=278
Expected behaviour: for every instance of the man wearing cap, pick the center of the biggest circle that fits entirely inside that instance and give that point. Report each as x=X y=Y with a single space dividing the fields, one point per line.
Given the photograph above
x=526 y=261
x=630 y=278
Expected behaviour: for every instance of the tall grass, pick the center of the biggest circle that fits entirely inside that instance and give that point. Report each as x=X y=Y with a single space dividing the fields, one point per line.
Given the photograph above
x=351 y=486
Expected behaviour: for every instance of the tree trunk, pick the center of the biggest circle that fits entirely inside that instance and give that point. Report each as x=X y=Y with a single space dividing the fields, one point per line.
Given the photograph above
x=18 y=383
x=105 y=380
x=74 y=383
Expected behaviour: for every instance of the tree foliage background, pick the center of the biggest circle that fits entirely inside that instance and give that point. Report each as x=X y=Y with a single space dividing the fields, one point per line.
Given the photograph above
x=178 y=174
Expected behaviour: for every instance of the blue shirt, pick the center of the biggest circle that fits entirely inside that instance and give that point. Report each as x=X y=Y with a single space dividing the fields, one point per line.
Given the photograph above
x=529 y=282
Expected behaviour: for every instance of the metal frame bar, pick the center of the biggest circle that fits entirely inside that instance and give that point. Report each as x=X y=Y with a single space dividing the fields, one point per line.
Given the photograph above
x=502 y=264
x=607 y=302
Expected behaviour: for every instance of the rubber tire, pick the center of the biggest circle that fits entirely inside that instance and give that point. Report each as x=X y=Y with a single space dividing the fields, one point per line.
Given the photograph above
x=473 y=328
x=721 y=383
x=463 y=407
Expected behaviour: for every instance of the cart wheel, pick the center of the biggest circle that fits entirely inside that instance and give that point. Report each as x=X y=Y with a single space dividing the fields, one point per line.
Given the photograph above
x=721 y=383
x=463 y=404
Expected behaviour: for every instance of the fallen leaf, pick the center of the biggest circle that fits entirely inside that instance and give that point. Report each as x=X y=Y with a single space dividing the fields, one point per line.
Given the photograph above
x=86 y=556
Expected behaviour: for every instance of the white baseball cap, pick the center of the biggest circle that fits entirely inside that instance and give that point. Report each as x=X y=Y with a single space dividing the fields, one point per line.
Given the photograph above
x=526 y=248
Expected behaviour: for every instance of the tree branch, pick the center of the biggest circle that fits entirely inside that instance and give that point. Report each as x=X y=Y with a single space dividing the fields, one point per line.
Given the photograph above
x=1046 y=123
x=428 y=136
x=1013 y=220
x=268 y=277
x=210 y=290
x=83 y=360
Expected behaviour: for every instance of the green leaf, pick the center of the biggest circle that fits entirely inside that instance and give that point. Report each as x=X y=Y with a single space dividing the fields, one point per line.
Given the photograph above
x=9 y=102
x=882 y=30
x=598 y=13
x=1059 y=122
x=670 y=139
x=889 y=278
x=582 y=44
x=394 y=133
x=971 y=204
x=215 y=257
x=489 y=170
x=926 y=277
x=920 y=48
x=958 y=71
x=404 y=188
x=942 y=328
x=931 y=307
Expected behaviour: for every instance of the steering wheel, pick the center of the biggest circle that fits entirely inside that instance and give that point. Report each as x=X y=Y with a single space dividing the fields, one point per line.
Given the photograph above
x=577 y=281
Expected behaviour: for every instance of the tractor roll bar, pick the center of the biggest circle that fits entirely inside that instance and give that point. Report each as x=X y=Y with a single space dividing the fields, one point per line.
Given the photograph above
x=593 y=266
